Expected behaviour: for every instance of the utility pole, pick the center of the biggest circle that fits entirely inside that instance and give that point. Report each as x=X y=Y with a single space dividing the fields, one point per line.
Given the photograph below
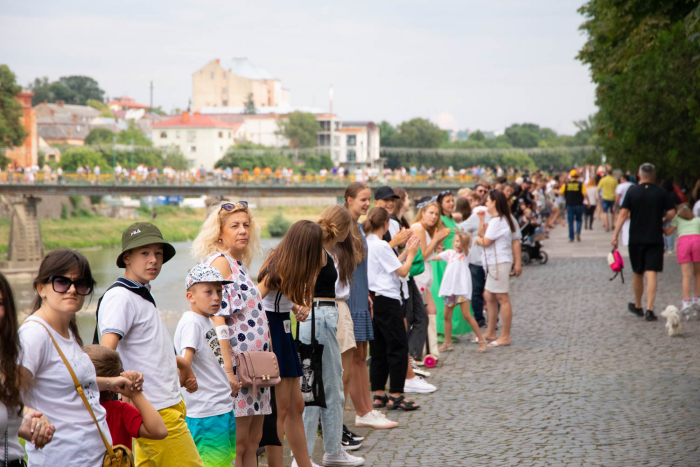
x=114 y=153
x=151 y=94
x=132 y=154
x=330 y=95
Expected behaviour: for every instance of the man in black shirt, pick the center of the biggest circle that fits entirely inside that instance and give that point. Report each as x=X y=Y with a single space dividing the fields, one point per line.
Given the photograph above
x=574 y=193
x=647 y=206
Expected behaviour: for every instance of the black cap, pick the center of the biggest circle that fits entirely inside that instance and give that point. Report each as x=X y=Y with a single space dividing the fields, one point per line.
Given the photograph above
x=526 y=179
x=385 y=192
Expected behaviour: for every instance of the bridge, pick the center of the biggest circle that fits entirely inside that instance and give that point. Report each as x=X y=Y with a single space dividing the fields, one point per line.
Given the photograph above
x=26 y=247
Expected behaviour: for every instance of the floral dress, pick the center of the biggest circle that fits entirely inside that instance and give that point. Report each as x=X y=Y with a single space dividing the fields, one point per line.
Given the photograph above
x=241 y=306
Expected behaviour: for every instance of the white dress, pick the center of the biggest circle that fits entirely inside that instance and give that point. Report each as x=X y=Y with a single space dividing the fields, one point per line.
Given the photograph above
x=457 y=279
x=424 y=280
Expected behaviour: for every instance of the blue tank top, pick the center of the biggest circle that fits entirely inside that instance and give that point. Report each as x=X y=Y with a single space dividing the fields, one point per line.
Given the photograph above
x=359 y=289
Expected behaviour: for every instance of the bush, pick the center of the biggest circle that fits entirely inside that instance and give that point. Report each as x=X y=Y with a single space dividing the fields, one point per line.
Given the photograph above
x=278 y=225
x=82 y=155
x=64 y=211
x=75 y=201
x=82 y=212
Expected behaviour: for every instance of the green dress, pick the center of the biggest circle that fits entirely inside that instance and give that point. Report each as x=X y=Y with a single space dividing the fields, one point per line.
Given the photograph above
x=459 y=324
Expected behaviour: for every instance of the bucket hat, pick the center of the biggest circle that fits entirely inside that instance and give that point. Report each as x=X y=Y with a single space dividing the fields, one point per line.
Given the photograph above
x=142 y=234
x=204 y=273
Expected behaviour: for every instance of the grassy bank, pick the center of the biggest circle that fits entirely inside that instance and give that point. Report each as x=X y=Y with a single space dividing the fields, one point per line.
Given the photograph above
x=177 y=225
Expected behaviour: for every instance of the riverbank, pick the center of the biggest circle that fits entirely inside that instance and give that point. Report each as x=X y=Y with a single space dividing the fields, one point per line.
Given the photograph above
x=176 y=224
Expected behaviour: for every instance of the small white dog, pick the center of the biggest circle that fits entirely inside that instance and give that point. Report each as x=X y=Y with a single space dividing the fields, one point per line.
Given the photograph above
x=673 y=320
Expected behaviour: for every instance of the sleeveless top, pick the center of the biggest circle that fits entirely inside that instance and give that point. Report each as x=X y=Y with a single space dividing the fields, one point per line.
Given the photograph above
x=276 y=301
x=325 y=282
x=359 y=286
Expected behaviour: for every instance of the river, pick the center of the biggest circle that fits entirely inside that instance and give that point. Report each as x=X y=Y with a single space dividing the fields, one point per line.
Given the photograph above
x=168 y=289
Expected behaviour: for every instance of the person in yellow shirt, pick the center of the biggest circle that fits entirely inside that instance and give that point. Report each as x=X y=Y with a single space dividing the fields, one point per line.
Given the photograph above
x=575 y=195
x=607 y=185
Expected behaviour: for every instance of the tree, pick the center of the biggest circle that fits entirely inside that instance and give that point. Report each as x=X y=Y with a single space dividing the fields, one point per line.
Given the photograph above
x=42 y=93
x=100 y=136
x=387 y=134
x=157 y=110
x=70 y=89
x=81 y=156
x=249 y=104
x=643 y=59
x=477 y=136
x=133 y=134
x=526 y=135
x=101 y=106
x=12 y=132
x=176 y=160
x=419 y=133
x=300 y=128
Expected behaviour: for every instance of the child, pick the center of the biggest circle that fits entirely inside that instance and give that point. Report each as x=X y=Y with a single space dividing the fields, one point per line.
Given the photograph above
x=125 y=421
x=129 y=322
x=210 y=416
x=456 y=287
x=688 y=252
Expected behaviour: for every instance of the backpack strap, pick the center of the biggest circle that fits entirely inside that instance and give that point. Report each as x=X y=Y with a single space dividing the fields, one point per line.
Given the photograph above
x=128 y=285
x=79 y=388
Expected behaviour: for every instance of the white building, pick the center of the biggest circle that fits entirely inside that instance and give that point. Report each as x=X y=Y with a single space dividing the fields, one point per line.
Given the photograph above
x=352 y=142
x=201 y=138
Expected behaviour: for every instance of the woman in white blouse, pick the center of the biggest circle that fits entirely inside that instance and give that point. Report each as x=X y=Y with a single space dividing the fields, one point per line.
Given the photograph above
x=495 y=238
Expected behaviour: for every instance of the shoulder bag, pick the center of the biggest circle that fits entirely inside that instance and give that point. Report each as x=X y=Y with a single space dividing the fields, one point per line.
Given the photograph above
x=257 y=369
x=311 y=356
x=117 y=456
x=418 y=265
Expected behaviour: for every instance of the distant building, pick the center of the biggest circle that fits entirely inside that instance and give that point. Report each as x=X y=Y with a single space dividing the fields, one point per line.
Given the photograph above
x=78 y=113
x=353 y=142
x=203 y=139
x=260 y=128
x=26 y=155
x=125 y=103
x=230 y=84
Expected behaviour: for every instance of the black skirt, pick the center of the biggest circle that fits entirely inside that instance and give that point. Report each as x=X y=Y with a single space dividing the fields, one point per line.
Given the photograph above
x=283 y=344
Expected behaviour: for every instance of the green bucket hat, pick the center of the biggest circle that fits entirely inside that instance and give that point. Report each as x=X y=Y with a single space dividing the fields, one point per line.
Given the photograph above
x=142 y=234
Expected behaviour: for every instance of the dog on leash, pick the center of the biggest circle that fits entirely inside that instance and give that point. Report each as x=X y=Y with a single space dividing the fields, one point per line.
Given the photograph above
x=673 y=320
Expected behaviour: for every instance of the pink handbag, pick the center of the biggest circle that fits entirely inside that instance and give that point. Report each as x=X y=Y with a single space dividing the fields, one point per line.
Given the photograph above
x=257 y=370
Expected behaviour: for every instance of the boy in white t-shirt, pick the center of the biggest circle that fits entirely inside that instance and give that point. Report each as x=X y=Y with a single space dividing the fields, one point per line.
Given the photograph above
x=210 y=416
x=129 y=323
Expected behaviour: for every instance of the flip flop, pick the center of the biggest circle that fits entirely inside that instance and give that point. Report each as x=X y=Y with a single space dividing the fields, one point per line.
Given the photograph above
x=476 y=340
x=496 y=344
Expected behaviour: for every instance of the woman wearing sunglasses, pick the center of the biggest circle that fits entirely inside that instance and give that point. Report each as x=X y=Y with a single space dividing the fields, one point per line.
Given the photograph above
x=63 y=282
x=227 y=241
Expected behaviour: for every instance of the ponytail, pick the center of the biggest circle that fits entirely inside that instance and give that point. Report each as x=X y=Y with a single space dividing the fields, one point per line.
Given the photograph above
x=376 y=219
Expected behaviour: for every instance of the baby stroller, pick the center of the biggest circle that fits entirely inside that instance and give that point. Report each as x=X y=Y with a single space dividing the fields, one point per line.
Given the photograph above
x=531 y=249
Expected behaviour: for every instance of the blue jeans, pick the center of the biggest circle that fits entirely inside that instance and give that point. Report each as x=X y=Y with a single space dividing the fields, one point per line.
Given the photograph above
x=669 y=240
x=332 y=415
x=574 y=212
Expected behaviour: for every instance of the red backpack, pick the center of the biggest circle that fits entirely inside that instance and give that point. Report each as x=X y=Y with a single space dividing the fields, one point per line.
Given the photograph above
x=616 y=264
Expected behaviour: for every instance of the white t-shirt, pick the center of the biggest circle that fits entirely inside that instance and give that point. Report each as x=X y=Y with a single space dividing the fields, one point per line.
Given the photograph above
x=214 y=394
x=342 y=290
x=593 y=195
x=457 y=279
x=622 y=190
x=52 y=392
x=145 y=345
x=500 y=251
x=471 y=225
x=381 y=266
x=10 y=421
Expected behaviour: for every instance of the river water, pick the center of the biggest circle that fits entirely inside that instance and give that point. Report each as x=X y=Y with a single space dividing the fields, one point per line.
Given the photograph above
x=168 y=289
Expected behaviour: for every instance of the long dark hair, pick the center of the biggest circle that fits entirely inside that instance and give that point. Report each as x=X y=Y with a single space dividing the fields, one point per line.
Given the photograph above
x=463 y=207
x=10 y=387
x=502 y=207
x=293 y=265
x=60 y=263
x=441 y=197
x=355 y=236
x=402 y=194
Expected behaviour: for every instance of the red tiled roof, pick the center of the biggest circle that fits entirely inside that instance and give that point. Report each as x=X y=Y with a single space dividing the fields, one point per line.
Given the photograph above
x=194 y=120
x=128 y=102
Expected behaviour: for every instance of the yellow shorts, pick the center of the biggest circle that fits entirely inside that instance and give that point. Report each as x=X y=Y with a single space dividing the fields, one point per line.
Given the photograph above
x=178 y=449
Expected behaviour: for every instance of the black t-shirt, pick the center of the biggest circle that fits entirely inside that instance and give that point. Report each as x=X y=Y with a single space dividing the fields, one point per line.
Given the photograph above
x=648 y=204
x=528 y=198
x=325 y=282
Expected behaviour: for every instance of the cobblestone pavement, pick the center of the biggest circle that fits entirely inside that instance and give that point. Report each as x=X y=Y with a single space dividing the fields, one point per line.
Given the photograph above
x=584 y=383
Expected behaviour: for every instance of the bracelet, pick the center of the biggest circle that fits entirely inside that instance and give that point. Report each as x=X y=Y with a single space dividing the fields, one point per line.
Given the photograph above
x=231 y=371
x=108 y=384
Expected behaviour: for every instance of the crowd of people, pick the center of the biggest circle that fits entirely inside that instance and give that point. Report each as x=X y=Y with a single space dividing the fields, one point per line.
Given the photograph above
x=364 y=279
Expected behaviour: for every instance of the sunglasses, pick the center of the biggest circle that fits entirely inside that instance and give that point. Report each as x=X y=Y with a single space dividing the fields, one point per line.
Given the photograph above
x=446 y=192
x=234 y=206
x=62 y=284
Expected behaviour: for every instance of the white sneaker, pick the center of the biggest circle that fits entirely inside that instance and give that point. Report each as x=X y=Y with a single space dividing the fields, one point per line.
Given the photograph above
x=418 y=371
x=313 y=464
x=376 y=420
x=342 y=459
x=418 y=385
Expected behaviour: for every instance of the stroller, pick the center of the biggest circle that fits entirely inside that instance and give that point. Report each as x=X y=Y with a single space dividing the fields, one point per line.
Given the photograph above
x=531 y=249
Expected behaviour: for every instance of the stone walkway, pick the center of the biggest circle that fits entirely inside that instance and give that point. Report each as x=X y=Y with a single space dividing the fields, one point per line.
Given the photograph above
x=584 y=383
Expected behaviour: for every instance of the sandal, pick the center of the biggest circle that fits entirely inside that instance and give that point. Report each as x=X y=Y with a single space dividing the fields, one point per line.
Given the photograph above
x=402 y=404
x=446 y=347
x=380 y=401
x=476 y=340
x=482 y=347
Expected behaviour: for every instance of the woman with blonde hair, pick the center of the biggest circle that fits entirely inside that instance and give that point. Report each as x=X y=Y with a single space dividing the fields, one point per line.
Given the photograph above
x=335 y=222
x=227 y=241
x=430 y=230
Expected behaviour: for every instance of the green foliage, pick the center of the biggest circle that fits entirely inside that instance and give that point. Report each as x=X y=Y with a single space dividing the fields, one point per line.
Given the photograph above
x=133 y=134
x=249 y=104
x=314 y=163
x=643 y=59
x=12 y=132
x=100 y=136
x=518 y=159
x=144 y=210
x=95 y=199
x=278 y=225
x=75 y=201
x=71 y=89
x=157 y=110
x=74 y=157
x=248 y=161
x=82 y=212
x=300 y=128
x=176 y=160
x=419 y=133
x=64 y=211
x=477 y=136
x=101 y=106
x=388 y=135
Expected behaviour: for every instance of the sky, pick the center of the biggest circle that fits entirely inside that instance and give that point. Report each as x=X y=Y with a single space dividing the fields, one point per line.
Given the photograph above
x=469 y=64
